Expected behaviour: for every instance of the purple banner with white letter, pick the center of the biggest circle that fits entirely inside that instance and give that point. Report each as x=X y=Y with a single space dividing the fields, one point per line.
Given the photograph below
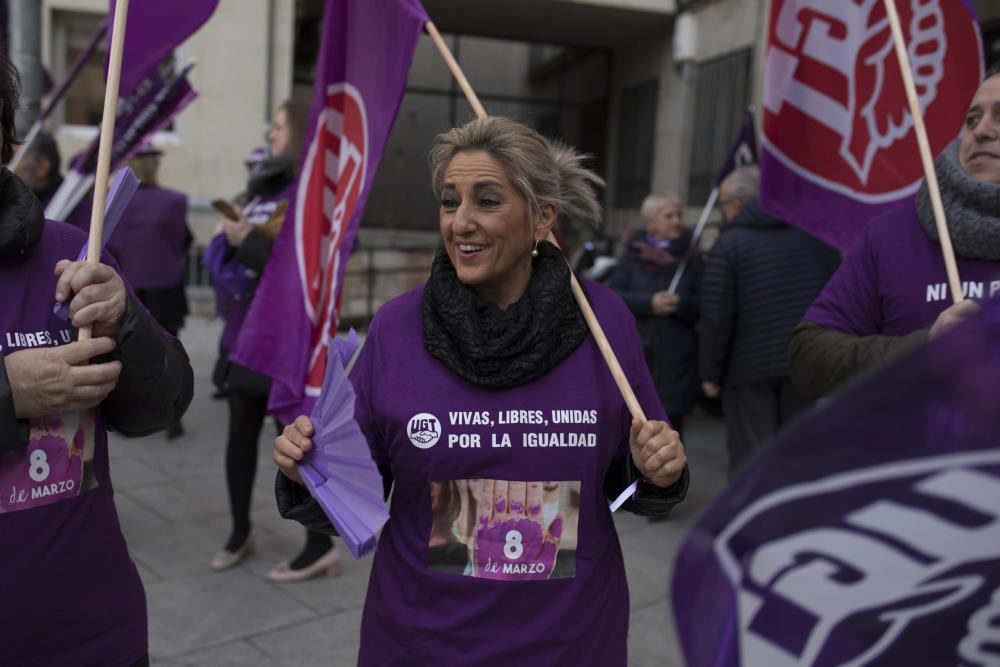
x=838 y=139
x=153 y=29
x=867 y=533
x=365 y=56
x=150 y=108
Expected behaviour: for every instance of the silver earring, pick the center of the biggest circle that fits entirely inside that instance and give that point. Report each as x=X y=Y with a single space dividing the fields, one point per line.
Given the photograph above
x=534 y=253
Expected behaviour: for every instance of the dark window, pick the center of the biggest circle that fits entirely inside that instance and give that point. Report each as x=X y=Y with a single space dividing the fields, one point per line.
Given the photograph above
x=593 y=132
x=722 y=93
x=636 y=136
x=550 y=88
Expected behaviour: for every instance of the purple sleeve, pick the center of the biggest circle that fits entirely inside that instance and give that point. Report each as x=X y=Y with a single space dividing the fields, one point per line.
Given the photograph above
x=363 y=378
x=850 y=302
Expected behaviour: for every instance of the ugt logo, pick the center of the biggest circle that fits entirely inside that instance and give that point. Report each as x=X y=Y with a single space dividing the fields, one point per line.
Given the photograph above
x=333 y=177
x=424 y=430
x=833 y=77
x=897 y=564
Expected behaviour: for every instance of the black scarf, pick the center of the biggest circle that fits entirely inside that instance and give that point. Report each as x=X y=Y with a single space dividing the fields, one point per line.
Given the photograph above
x=971 y=207
x=270 y=176
x=492 y=347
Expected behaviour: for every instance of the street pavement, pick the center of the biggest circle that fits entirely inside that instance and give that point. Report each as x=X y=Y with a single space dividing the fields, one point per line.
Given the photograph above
x=171 y=499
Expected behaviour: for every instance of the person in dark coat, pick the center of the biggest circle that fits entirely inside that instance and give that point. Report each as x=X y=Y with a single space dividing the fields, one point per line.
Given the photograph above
x=759 y=279
x=666 y=320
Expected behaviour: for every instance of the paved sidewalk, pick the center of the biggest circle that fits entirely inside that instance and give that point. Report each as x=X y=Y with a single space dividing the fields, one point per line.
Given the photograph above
x=172 y=502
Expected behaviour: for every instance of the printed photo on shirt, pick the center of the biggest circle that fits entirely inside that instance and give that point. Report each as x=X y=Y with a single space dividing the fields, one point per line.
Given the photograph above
x=504 y=530
x=56 y=465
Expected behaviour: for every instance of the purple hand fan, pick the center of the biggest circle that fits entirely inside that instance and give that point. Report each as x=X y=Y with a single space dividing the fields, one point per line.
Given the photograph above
x=120 y=193
x=339 y=471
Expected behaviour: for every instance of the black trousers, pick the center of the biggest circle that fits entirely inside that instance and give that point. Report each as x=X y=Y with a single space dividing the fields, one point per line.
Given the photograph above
x=756 y=411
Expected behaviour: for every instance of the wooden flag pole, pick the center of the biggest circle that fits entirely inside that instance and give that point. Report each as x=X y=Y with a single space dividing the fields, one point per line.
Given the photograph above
x=456 y=71
x=581 y=299
x=107 y=140
x=954 y=283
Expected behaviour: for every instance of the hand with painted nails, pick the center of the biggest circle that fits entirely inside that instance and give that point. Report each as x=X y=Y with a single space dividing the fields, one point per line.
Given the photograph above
x=291 y=446
x=511 y=542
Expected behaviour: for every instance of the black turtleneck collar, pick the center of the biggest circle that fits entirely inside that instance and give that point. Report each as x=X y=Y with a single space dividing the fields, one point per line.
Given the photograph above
x=21 y=217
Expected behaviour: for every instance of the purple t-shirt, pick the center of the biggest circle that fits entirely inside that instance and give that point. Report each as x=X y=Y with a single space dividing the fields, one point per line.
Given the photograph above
x=69 y=594
x=893 y=281
x=500 y=549
x=151 y=238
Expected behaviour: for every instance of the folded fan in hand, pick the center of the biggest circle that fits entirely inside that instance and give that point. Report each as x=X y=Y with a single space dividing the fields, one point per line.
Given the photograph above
x=339 y=471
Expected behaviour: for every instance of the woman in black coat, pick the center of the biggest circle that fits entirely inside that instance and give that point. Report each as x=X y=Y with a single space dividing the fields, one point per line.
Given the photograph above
x=666 y=320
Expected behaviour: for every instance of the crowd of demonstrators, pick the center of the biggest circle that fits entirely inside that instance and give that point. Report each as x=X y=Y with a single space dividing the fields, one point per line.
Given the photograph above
x=666 y=320
x=891 y=291
x=71 y=594
x=40 y=169
x=766 y=321
x=236 y=257
x=496 y=329
x=759 y=278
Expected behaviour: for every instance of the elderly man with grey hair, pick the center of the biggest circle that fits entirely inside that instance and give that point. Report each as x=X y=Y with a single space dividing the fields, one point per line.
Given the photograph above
x=759 y=278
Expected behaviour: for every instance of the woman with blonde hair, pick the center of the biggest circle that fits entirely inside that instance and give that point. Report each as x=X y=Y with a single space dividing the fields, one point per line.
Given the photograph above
x=493 y=357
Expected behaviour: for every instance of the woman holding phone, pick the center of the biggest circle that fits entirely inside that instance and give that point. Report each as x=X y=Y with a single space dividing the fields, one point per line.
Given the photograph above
x=236 y=257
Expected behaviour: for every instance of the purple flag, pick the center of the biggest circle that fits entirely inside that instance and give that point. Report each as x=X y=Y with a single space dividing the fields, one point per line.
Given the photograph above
x=150 y=108
x=743 y=151
x=146 y=111
x=838 y=141
x=154 y=28
x=865 y=534
x=364 y=59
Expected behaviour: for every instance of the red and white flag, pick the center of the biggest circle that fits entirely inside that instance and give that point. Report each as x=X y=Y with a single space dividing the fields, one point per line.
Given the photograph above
x=838 y=140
